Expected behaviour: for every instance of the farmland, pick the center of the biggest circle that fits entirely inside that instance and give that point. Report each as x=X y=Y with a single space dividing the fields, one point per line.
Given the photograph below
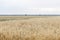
x=29 y=27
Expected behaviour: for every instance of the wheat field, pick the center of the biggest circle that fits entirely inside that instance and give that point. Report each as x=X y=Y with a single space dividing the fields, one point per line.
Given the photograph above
x=29 y=27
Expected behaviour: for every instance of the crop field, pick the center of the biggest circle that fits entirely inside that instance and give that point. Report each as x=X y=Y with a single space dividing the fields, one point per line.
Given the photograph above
x=29 y=27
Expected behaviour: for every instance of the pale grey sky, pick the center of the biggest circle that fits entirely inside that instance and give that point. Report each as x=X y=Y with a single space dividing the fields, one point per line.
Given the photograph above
x=29 y=7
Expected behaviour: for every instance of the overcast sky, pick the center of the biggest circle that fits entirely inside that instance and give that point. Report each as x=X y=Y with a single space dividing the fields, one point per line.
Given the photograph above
x=29 y=7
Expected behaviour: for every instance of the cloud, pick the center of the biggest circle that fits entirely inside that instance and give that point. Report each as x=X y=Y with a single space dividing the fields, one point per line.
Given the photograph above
x=29 y=6
x=44 y=9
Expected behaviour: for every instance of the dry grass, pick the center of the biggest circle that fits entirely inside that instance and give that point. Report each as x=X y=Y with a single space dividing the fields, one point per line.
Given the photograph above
x=29 y=28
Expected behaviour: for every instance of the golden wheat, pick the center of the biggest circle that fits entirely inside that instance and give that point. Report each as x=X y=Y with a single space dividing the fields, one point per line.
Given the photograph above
x=30 y=28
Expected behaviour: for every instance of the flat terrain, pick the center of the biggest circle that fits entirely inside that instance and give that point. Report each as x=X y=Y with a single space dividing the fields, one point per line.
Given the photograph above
x=29 y=27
